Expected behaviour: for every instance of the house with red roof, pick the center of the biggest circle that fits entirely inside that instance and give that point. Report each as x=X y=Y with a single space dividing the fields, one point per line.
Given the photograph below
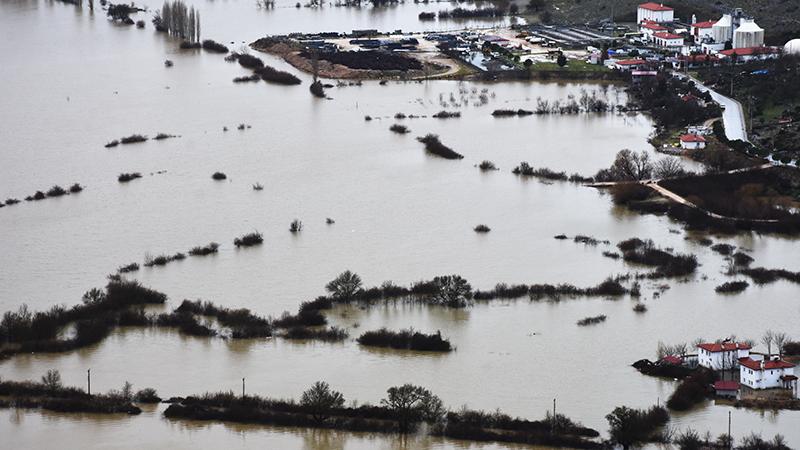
x=703 y=30
x=757 y=372
x=693 y=142
x=743 y=55
x=656 y=12
x=668 y=40
x=721 y=355
x=727 y=388
x=628 y=64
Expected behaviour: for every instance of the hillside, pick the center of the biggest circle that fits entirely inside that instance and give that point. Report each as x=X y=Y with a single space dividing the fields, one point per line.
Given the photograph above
x=780 y=18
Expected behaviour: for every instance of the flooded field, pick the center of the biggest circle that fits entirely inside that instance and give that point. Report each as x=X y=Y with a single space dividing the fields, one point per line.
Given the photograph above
x=399 y=215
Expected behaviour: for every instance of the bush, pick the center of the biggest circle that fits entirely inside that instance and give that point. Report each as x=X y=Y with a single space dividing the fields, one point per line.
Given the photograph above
x=345 y=286
x=399 y=129
x=75 y=188
x=742 y=259
x=126 y=177
x=434 y=146
x=447 y=115
x=511 y=112
x=591 y=320
x=524 y=169
x=113 y=143
x=249 y=239
x=331 y=334
x=405 y=340
x=248 y=61
x=212 y=247
x=273 y=75
x=214 y=47
x=147 y=395
x=791 y=348
x=482 y=229
x=133 y=139
x=623 y=194
x=162 y=136
x=247 y=79
x=219 y=176
x=486 y=165
x=629 y=426
x=732 y=287
x=667 y=265
x=296 y=226
x=132 y=267
x=693 y=389
x=723 y=249
x=452 y=291
x=56 y=191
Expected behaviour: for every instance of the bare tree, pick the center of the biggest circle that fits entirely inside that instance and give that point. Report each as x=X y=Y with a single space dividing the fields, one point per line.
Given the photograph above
x=668 y=167
x=768 y=339
x=780 y=339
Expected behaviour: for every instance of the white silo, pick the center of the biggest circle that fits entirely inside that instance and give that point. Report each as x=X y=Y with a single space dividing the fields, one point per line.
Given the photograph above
x=792 y=47
x=749 y=34
x=722 y=31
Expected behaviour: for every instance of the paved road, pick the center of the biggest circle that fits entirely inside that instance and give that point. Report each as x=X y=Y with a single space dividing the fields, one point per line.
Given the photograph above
x=732 y=114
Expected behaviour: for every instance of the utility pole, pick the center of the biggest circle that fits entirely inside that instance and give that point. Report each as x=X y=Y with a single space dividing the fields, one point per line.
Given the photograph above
x=89 y=381
x=554 y=417
x=730 y=438
x=243 y=388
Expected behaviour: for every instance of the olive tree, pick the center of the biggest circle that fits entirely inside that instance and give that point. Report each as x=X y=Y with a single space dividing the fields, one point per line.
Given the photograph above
x=321 y=399
x=345 y=286
x=412 y=404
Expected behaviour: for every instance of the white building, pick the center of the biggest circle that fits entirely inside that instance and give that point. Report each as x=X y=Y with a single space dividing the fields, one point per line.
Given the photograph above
x=757 y=373
x=743 y=55
x=722 y=30
x=703 y=31
x=748 y=35
x=656 y=12
x=721 y=355
x=693 y=142
x=648 y=28
x=668 y=40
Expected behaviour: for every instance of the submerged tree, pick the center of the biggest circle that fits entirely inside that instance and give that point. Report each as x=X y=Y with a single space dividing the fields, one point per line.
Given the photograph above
x=178 y=20
x=321 y=399
x=345 y=286
x=413 y=404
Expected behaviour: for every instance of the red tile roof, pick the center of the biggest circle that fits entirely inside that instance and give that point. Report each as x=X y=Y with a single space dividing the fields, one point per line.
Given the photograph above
x=722 y=346
x=756 y=365
x=653 y=26
x=696 y=138
x=706 y=24
x=750 y=51
x=726 y=385
x=630 y=62
x=672 y=359
x=668 y=36
x=652 y=6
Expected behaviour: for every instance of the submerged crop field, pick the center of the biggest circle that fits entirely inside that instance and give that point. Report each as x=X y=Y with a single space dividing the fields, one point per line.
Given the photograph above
x=368 y=241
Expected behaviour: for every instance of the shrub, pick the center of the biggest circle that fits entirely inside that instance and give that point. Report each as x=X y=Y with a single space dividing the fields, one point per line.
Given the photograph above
x=629 y=426
x=723 y=249
x=11 y=201
x=321 y=399
x=399 y=129
x=133 y=139
x=591 y=320
x=113 y=143
x=732 y=287
x=247 y=79
x=640 y=308
x=693 y=389
x=452 y=291
x=219 y=176
x=186 y=45
x=147 y=395
x=434 y=146
x=511 y=112
x=214 y=47
x=524 y=169
x=331 y=334
x=208 y=249
x=742 y=259
x=447 y=115
x=791 y=348
x=132 y=267
x=667 y=265
x=56 y=191
x=317 y=89
x=273 y=75
x=248 y=61
x=345 y=286
x=482 y=229
x=405 y=340
x=296 y=226
x=258 y=187
x=162 y=136
x=486 y=165
x=413 y=404
x=249 y=239
x=623 y=194
x=126 y=177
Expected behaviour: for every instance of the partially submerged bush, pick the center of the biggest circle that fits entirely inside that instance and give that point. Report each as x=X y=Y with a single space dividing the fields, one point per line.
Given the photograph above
x=329 y=334
x=273 y=75
x=214 y=47
x=447 y=115
x=147 y=395
x=434 y=146
x=219 y=176
x=405 y=340
x=133 y=139
x=640 y=308
x=56 y=191
x=723 y=249
x=667 y=264
x=399 y=129
x=162 y=260
x=591 y=320
x=296 y=226
x=132 y=267
x=75 y=188
x=524 y=169
x=487 y=165
x=482 y=229
x=732 y=287
x=113 y=143
x=249 y=239
x=208 y=249
x=623 y=194
x=126 y=177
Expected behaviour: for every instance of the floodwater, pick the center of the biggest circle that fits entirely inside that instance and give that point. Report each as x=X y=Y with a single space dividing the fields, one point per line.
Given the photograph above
x=72 y=81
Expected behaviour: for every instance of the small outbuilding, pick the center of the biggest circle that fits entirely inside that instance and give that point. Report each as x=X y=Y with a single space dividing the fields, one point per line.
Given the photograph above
x=693 y=142
x=728 y=388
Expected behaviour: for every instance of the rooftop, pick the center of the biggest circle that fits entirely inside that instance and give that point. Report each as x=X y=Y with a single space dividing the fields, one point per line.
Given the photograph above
x=726 y=385
x=706 y=24
x=765 y=365
x=630 y=62
x=716 y=347
x=694 y=138
x=668 y=36
x=652 y=6
x=750 y=51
